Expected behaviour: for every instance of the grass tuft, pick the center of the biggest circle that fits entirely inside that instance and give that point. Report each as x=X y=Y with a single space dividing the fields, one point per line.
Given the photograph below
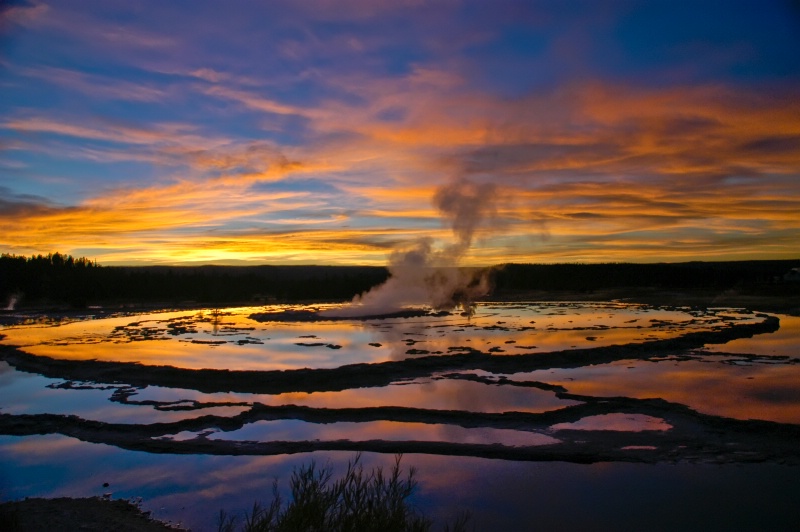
x=359 y=501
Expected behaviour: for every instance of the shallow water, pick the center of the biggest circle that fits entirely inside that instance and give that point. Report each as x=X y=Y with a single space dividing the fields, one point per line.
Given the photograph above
x=230 y=339
x=500 y=494
x=536 y=384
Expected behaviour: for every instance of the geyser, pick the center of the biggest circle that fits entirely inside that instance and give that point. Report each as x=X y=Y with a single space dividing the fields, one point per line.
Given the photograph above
x=421 y=274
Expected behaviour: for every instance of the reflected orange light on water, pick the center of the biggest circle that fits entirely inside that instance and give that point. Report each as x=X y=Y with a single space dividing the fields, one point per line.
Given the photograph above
x=446 y=394
x=382 y=430
x=751 y=390
x=201 y=339
x=737 y=386
x=783 y=342
x=32 y=450
x=616 y=422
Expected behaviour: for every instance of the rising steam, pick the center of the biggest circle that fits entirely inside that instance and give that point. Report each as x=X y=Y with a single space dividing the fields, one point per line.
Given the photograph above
x=466 y=205
x=12 y=301
x=423 y=275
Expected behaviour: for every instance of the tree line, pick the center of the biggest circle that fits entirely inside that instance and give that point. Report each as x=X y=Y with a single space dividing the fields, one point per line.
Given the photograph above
x=62 y=279
x=664 y=276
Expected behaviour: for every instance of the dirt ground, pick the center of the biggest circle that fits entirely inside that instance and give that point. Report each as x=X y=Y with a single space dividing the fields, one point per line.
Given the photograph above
x=91 y=514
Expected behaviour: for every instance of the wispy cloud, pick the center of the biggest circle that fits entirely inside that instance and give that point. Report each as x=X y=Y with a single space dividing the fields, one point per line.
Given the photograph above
x=254 y=101
x=97 y=86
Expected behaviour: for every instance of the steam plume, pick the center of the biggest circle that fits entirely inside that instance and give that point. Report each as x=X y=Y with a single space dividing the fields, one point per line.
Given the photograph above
x=12 y=301
x=424 y=275
x=466 y=205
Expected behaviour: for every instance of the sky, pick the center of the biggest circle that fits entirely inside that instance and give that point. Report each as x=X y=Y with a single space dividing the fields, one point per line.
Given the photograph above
x=331 y=132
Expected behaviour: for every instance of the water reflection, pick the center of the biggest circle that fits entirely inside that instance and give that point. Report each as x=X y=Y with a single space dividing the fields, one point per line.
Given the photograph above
x=616 y=422
x=500 y=495
x=648 y=403
x=739 y=388
x=783 y=342
x=230 y=339
x=379 y=430
x=25 y=393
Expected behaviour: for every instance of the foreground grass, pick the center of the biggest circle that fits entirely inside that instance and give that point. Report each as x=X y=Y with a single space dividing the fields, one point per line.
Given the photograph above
x=359 y=501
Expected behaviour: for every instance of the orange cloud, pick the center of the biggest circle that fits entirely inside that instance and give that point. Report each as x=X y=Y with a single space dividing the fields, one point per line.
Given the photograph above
x=593 y=173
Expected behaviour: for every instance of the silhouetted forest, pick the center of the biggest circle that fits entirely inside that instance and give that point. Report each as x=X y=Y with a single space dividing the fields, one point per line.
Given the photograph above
x=64 y=280
x=664 y=276
x=57 y=278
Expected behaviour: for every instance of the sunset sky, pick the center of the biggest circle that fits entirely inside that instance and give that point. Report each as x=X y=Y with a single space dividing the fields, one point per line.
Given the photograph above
x=323 y=132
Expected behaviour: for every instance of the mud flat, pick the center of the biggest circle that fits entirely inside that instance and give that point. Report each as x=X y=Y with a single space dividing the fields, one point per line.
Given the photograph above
x=64 y=513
